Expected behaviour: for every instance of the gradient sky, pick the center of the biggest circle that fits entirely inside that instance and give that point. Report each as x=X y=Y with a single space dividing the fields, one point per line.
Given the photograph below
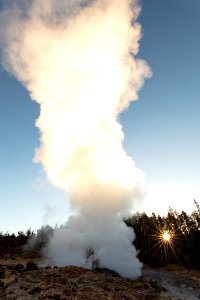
x=161 y=129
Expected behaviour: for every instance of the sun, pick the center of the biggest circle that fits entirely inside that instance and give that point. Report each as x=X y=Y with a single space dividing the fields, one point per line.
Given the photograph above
x=166 y=236
x=166 y=241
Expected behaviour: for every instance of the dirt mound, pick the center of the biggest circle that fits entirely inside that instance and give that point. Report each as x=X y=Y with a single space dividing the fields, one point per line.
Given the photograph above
x=73 y=283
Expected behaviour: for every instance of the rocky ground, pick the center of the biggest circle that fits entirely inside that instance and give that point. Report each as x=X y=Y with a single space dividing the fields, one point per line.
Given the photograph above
x=180 y=284
x=22 y=279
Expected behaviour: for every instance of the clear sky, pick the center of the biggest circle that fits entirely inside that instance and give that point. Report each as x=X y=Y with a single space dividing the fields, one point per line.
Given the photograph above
x=161 y=128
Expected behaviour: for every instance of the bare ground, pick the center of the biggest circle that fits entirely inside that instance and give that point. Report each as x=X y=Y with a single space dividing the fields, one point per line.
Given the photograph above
x=74 y=283
x=180 y=283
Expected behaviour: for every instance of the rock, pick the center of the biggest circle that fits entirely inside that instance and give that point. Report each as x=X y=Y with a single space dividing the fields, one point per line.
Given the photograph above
x=48 y=267
x=107 y=271
x=2 y=273
x=30 y=266
x=35 y=290
x=1 y=284
x=19 y=267
x=146 y=286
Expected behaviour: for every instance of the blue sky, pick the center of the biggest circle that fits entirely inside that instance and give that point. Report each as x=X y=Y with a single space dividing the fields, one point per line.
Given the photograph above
x=161 y=129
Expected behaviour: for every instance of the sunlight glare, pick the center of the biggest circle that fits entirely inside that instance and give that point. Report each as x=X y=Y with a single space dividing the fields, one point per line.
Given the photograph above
x=166 y=236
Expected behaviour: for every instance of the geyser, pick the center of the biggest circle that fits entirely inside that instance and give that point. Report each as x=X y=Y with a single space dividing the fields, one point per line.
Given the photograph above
x=77 y=60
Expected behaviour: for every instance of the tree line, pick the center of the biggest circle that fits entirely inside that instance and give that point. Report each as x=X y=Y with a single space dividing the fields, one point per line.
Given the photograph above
x=174 y=238
x=160 y=240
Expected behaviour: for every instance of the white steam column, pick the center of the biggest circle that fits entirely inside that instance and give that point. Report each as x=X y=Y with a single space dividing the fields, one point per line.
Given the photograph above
x=77 y=60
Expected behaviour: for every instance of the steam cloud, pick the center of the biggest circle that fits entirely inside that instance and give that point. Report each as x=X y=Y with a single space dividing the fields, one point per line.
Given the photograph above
x=77 y=60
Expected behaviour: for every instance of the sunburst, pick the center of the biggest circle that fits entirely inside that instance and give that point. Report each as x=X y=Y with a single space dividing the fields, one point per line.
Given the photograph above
x=166 y=236
x=165 y=240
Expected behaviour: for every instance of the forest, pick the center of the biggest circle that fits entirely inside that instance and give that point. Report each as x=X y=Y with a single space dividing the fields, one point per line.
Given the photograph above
x=160 y=240
x=168 y=240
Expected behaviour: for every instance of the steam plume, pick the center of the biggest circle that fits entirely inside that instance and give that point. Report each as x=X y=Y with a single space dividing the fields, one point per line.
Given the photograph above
x=77 y=60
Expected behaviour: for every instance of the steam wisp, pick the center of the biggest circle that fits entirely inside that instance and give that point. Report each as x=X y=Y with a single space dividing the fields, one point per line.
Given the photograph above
x=77 y=60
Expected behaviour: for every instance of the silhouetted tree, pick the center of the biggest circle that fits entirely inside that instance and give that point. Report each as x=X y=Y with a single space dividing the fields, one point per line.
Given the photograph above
x=184 y=245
